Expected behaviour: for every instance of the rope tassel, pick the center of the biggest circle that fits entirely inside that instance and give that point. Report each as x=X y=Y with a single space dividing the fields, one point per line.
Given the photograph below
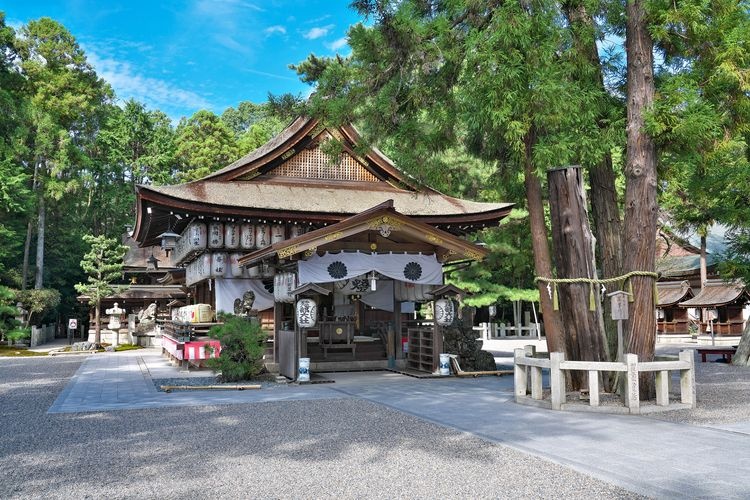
x=592 y=298
x=555 y=299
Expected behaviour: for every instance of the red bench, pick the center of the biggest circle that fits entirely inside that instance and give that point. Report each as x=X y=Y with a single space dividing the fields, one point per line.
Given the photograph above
x=725 y=352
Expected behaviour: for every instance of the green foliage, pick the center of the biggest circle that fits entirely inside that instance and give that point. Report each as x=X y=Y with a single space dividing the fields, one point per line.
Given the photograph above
x=204 y=144
x=8 y=312
x=506 y=275
x=103 y=266
x=242 y=348
x=38 y=302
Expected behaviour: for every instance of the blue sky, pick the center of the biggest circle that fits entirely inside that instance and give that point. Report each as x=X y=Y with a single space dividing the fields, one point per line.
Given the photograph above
x=182 y=56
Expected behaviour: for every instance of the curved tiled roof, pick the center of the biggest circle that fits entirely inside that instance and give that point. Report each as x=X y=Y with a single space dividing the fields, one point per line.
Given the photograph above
x=717 y=293
x=671 y=292
x=345 y=200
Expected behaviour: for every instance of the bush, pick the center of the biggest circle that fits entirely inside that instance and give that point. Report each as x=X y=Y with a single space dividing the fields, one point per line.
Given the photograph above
x=18 y=334
x=242 y=349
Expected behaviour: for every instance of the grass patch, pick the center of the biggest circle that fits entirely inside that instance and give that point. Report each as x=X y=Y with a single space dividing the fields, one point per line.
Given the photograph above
x=127 y=347
x=10 y=351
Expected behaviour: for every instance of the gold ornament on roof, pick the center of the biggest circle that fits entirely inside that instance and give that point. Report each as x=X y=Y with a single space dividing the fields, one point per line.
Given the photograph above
x=473 y=254
x=333 y=236
x=435 y=239
x=385 y=224
x=288 y=251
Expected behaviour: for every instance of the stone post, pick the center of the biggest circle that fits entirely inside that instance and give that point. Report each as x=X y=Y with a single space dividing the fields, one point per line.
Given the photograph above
x=519 y=373
x=632 y=390
x=557 y=380
x=687 y=379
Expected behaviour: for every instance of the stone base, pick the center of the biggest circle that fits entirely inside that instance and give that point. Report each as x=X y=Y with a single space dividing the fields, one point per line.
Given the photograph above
x=674 y=338
x=719 y=340
x=148 y=340
x=108 y=337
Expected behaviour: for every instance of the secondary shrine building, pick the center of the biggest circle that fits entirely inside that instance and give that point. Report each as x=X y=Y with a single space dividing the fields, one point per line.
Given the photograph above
x=338 y=254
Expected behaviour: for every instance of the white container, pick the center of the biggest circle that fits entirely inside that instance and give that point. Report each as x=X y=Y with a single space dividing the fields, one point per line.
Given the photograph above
x=303 y=373
x=445 y=364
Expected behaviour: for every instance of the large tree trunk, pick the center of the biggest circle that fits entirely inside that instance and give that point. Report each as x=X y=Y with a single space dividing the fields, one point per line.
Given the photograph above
x=540 y=247
x=742 y=356
x=640 y=191
x=41 y=221
x=26 y=252
x=604 y=207
x=573 y=244
x=29 y=233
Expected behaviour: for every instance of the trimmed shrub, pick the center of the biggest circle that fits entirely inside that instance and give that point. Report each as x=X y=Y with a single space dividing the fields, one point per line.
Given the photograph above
x=242 y=348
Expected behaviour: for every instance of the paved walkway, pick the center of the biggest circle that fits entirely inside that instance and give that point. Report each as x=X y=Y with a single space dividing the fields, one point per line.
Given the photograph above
x=647 y=456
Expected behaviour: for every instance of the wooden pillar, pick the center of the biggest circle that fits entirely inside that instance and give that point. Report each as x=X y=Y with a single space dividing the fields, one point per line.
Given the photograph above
x=397 y=327
x=277 y=318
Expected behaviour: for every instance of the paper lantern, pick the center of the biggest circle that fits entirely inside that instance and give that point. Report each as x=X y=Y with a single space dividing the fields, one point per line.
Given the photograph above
x=444 y=312
x=253 y=272
x=262 y=235
x=231 y=235
x=218 y=265
x=247 y=236
x=296 y=230
x=235 y=270
x=278 y=233
x=307 y=313
x=215 y=235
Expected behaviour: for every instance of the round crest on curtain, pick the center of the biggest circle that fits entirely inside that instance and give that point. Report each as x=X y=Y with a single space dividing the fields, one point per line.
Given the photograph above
x=307 y=313
x=445 y=312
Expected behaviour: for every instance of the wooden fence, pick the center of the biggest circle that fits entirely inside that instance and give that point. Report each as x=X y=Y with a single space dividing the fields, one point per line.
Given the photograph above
x=528 y=367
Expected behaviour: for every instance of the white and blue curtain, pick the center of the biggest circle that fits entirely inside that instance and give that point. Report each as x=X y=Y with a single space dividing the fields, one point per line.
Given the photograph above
x=411 y=268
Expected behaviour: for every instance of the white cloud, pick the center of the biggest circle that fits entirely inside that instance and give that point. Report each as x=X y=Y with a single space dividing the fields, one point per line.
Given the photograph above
x=318 y=32
x=275 y=29
x=337 y=44
x=155 y=93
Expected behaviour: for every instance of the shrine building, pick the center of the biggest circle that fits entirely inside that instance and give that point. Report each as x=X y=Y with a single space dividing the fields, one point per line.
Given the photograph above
x=339 y=253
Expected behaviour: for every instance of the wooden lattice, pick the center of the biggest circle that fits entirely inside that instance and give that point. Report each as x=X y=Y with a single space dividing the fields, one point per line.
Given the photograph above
x=314 y=164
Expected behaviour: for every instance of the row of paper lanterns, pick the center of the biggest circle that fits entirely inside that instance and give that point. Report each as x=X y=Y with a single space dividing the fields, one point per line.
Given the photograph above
x=223 y=265
x=198 y=236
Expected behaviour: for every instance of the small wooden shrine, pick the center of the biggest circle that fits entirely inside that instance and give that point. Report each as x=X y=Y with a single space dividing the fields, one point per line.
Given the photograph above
x=671 y=319
x=355 y=241
x=720 y=307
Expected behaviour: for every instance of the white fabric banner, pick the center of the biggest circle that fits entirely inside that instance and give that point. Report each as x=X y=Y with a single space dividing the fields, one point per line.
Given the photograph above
x=418 y=268
x=227 y=290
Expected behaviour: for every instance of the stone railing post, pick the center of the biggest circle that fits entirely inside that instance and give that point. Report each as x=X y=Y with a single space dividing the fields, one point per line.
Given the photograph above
x=687 y=379
x=632 y=389
x=519 y=372
x=556 y=380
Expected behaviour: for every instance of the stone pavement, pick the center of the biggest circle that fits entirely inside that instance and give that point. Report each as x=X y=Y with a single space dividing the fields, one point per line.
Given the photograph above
x=647 y=456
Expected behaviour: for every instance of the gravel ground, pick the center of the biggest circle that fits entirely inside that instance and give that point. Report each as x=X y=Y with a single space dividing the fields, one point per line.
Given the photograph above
x=344 y=448
x=722 y=394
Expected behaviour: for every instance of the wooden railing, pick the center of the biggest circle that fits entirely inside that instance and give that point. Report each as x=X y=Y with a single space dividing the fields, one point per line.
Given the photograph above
x=529 y=367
